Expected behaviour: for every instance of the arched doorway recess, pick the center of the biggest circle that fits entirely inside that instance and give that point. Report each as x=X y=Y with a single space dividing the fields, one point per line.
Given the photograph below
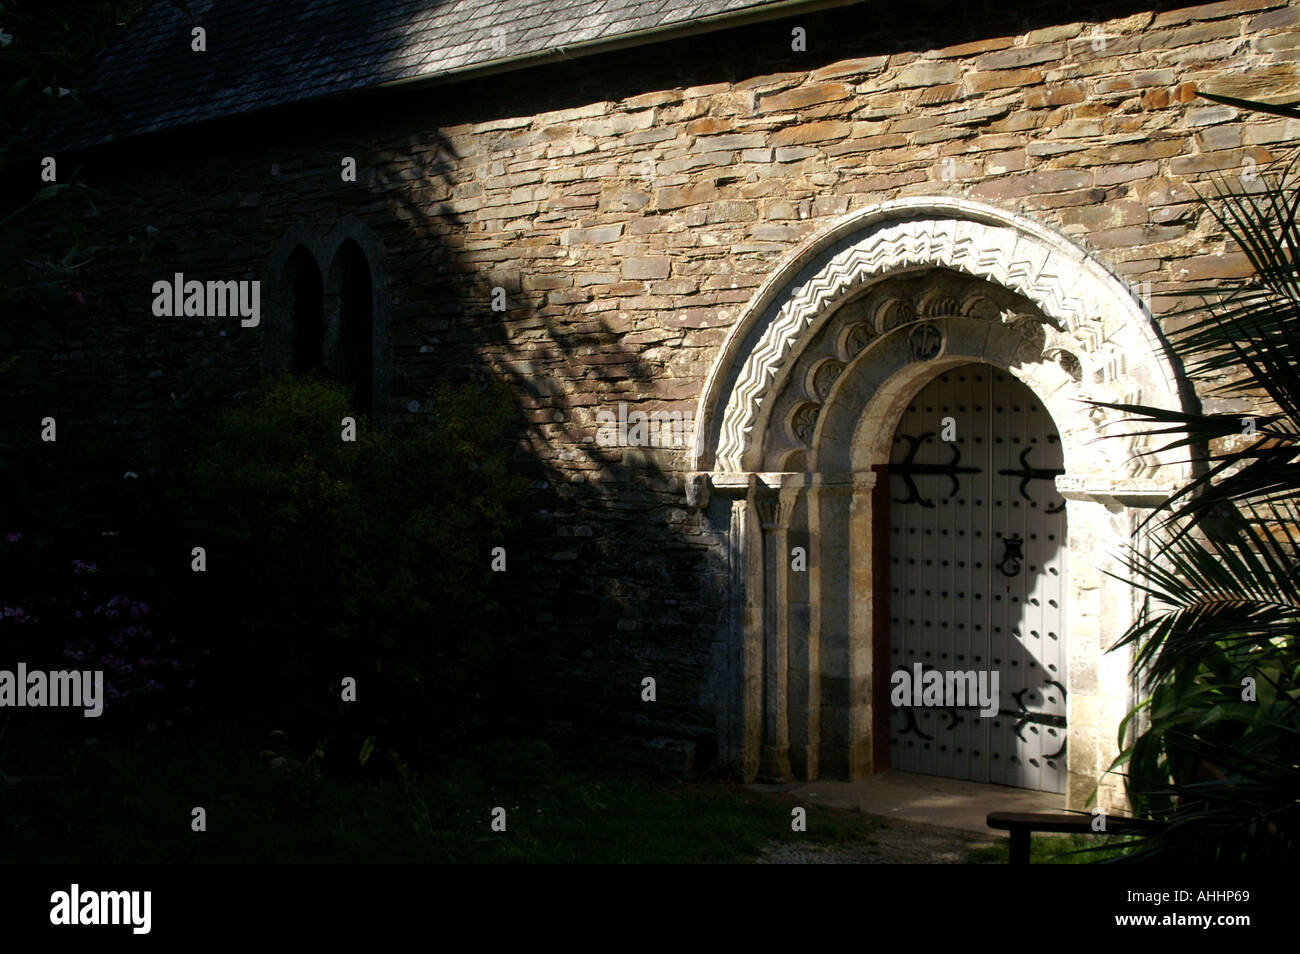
x=974 y=585
x=797 y=423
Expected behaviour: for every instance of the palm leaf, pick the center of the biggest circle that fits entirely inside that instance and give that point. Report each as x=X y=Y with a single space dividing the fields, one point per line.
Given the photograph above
x=1291 y=112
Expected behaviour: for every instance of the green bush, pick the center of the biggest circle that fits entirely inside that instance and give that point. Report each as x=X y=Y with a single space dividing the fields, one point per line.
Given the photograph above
x=367 y=559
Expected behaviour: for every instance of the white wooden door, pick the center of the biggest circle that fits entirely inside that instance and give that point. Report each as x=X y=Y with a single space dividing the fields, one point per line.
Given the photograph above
x=977 y=578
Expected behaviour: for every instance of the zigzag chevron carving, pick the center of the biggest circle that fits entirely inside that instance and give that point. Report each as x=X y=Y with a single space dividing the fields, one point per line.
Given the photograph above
x=993 y=253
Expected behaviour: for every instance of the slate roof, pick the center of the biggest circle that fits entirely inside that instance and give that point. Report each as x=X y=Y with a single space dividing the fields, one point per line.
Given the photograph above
x=263 y=53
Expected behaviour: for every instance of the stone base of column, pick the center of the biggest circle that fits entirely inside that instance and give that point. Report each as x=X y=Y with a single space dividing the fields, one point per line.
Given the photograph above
x=775 y=764
x=861 y=761
x=804 y=762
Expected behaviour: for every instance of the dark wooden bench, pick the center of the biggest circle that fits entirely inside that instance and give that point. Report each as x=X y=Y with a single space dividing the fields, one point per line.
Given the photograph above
x=1021 y=824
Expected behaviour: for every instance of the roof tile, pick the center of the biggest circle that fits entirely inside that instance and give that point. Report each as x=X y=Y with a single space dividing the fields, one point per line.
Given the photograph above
x=263 y=53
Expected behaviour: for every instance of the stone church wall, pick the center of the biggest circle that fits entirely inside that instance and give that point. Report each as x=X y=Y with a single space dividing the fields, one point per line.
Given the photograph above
x=630 y=204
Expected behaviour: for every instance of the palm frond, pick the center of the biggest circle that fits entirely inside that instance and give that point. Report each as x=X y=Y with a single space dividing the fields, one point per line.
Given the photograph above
x=1217 y=641
x=1228 y=583
x=1291 y=112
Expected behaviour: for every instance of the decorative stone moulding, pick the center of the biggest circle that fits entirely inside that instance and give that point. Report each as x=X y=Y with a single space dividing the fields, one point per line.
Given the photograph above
x=842 y=292
x=854 y=338
x=919 y=307
x=823 y=377
x=802 y=422
x=1115 y=494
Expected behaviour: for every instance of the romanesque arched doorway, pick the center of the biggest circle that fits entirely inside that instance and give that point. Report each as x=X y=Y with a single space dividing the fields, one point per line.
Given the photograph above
x=975 y=584
x=795 y=432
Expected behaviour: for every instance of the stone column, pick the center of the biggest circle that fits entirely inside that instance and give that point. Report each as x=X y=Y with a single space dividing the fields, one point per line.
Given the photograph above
x=1102 y=512
x=830 y=640
x=806 y=754
x=751 y=580
x=862 y=602
x=803 y=675
x=775 y=513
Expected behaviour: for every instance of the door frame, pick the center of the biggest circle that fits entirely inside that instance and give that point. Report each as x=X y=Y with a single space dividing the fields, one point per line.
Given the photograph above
x=880 y=620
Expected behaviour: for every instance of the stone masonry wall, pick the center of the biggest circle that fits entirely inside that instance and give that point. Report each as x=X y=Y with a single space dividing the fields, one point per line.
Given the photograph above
x=631 y=203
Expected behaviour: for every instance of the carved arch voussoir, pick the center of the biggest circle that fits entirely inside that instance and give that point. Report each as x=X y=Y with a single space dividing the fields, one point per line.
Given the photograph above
x=821 y=378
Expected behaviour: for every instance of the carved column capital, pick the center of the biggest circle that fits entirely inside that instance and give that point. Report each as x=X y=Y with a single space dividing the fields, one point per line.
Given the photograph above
x=775 y=511
x=697 y=488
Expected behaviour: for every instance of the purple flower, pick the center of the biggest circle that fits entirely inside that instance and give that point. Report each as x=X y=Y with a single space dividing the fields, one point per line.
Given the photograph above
x=79 y=567
x=13 y=537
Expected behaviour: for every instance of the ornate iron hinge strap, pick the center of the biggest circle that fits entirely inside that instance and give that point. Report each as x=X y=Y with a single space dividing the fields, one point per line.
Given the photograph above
x=1024 y=717
x=1027 y=473
x=908 y=470
x=951 y=712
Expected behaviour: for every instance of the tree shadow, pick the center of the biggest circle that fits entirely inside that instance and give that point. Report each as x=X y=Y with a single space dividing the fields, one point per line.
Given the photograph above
x=615 y=577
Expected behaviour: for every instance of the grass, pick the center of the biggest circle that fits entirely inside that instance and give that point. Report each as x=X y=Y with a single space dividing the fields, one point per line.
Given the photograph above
x=121 y=800
x=1050 y=849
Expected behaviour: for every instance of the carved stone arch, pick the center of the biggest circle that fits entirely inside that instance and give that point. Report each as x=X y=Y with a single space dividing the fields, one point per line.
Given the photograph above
x=979 y=306
x=856 y=426
x=816 y=368
x=1100 y=313
x=938 y=302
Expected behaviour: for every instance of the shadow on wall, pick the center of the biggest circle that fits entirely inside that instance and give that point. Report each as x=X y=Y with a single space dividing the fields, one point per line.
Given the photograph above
x=616 y=577
x=620 y=580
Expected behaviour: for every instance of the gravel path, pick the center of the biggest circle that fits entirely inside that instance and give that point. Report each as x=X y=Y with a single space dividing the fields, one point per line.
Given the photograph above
x=894 y=842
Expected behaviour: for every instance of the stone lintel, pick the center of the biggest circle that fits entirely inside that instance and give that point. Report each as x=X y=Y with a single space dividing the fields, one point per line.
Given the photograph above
x=738 y=483
x=1113 y=493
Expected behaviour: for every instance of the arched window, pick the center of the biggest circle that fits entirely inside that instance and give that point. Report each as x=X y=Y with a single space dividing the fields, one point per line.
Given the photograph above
x=329 y=311
x=356 y=314
x=306 y=298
